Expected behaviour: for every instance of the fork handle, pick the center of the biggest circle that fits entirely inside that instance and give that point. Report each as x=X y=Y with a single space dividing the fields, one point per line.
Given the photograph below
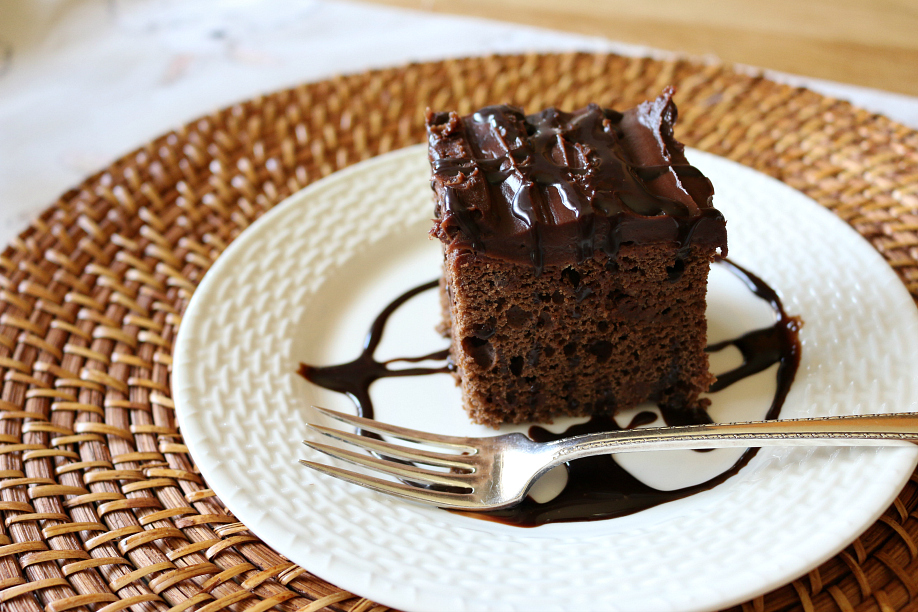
x=860 y=430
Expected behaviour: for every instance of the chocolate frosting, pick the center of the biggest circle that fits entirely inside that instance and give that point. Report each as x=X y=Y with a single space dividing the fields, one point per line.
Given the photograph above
x=554 y=187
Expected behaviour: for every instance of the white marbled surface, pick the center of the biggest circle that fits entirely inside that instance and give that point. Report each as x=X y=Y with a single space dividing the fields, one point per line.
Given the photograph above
x=83 y=82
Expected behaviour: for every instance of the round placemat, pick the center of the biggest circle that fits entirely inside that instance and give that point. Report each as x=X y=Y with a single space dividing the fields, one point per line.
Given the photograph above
x=102 y=506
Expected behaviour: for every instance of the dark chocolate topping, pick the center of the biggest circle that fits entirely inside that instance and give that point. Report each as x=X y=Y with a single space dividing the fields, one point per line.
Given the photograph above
x=553 y=187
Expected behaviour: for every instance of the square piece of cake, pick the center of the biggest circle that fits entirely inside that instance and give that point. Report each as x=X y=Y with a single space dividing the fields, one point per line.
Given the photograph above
x=576 y=255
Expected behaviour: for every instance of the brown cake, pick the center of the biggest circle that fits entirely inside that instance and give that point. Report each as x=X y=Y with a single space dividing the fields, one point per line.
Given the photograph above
x=576 y=255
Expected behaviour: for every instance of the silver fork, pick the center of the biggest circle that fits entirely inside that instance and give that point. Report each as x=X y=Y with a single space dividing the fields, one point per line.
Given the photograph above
x=496 y=472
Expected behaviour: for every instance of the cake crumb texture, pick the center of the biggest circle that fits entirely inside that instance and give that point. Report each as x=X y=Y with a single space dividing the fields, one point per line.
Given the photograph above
x=589 y=338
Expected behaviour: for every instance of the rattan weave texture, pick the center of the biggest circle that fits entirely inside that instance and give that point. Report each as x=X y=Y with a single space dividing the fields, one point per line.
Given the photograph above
x=102 y=507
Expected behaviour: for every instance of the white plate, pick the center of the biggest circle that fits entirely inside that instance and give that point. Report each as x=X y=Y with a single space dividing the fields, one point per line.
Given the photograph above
x=306 y=280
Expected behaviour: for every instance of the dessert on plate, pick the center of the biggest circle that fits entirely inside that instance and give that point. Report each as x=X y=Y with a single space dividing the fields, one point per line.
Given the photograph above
x=576 y=253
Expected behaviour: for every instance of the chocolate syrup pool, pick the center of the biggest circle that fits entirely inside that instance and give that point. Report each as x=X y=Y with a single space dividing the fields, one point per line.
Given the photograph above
x=597 y=487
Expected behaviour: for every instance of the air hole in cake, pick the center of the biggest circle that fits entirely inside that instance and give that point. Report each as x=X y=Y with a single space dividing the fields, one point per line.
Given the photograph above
x=602 y=349
x=571 y=276
x=603 y=327
x=570 y=348
x=516 y=366
x=510 y=397
x=481 y=351
x=532 y=359
x=557 y=298
x=545 y=321
x=583 y=293
x=483 y=331
x=517 y=317
x=675 y=271
x=607 y=403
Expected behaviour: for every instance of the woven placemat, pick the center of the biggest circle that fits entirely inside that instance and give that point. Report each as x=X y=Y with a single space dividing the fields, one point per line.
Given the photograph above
x=102 y=506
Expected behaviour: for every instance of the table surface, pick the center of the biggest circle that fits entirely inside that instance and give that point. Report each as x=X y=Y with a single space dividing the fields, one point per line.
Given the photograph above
x=872 y=43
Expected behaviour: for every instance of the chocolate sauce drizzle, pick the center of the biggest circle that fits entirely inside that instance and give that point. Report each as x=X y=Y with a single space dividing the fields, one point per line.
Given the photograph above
x=762 y=348
x=597 y=487
x=355 y=377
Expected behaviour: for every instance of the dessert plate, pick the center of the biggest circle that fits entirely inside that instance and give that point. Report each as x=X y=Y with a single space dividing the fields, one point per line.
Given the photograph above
x=304 y=283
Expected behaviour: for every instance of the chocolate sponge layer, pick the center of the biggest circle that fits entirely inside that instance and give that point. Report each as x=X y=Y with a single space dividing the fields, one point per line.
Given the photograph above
x=587 y=338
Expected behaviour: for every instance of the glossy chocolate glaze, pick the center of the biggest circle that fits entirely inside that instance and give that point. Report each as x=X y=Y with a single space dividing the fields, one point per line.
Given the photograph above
x=554 y=187
x=597 y=488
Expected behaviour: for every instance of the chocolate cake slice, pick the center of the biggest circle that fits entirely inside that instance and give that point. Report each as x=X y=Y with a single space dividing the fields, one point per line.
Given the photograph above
x=576 y=254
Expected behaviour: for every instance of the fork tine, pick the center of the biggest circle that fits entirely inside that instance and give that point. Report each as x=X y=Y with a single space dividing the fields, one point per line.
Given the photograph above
x=442 y=499
x=403 y=433
x=399 y=470
x=394 y=450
